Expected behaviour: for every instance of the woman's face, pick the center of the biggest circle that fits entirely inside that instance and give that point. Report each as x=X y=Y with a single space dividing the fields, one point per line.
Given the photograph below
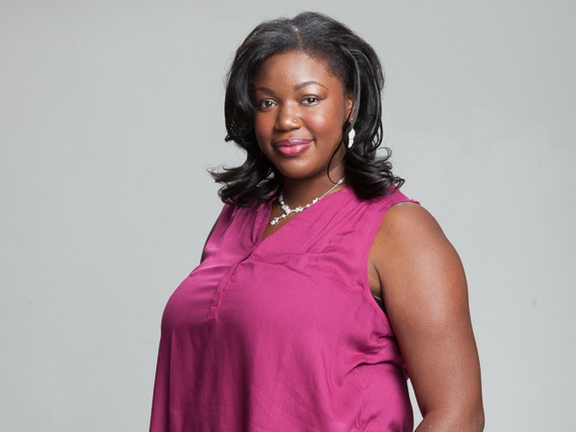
x=300 y=111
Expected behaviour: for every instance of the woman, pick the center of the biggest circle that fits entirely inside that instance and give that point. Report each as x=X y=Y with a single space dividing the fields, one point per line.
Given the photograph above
x=322 y=287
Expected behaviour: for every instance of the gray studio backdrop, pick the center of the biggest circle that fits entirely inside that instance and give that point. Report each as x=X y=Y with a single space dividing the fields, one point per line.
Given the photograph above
x=111 y=111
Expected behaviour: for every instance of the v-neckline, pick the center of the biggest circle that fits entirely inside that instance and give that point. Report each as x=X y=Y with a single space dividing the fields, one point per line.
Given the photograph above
x=266 y=212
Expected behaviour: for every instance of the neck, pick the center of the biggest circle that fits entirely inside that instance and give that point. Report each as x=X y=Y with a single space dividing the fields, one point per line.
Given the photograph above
x=301 y=192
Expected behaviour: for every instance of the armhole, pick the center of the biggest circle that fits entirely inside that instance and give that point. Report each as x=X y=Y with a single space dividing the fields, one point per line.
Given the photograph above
x=387 y=203
x=217 y=229
x=380 y=303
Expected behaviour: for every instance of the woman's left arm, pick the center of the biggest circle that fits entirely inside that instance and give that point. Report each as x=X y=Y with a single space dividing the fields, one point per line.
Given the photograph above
x=424 y=289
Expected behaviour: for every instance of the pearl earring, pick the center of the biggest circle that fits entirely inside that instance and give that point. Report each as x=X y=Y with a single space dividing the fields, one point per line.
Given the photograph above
x=351 y=136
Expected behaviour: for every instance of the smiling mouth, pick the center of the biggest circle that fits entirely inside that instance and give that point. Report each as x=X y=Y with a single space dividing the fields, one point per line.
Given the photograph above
x=292 y=147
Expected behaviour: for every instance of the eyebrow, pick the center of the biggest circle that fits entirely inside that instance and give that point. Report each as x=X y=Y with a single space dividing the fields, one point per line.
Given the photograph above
x=307 y=83
x=296 y=87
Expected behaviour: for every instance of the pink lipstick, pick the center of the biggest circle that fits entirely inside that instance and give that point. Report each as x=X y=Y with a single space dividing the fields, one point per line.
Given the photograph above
x=292 y=147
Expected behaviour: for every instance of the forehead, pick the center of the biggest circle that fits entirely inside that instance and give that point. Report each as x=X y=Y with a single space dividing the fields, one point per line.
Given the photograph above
x=294 y=67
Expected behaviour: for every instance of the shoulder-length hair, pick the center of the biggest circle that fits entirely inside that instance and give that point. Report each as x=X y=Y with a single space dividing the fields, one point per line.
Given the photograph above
x=349 y=58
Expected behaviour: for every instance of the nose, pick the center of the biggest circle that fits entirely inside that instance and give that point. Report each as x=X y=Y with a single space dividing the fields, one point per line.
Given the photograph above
x=288 y=117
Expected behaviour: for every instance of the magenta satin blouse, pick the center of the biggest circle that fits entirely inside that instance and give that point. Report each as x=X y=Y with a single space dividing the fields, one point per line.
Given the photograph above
x=282 y=334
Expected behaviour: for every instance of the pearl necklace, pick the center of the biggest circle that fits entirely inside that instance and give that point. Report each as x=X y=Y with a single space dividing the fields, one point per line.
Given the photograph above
x=287 y=210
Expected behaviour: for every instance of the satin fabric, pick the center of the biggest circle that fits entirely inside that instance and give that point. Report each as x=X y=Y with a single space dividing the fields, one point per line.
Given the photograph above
x=282 y=334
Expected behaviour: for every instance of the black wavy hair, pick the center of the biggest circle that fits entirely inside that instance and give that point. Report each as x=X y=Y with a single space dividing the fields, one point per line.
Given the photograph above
x=349 y=58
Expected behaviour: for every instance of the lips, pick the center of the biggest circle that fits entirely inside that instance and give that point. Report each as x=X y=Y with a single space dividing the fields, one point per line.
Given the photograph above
x=292 y=147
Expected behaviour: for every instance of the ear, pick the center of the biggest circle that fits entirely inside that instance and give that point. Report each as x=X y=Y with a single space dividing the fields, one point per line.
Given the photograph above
x=349 y=105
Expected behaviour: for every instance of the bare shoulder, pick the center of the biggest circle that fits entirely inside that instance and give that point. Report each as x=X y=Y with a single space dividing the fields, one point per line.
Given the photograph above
x=406 y=221
x=415 y=262
x=409 y=231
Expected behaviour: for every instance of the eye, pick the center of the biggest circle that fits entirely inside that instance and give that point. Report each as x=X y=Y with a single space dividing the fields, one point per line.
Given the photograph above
x=311 y=100
x=265 y=104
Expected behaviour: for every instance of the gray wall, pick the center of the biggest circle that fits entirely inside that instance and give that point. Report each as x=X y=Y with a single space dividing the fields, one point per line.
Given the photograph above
x=110 y=111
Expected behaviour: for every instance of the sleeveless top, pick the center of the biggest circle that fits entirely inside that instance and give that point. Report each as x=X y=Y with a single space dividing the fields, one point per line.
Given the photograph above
x=282 y=334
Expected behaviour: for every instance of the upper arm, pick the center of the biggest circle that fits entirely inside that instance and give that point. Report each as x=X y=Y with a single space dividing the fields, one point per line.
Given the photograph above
x=424 y=289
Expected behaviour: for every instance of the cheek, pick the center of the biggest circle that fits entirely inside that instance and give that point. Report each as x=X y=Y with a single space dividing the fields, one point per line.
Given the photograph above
x=262 y=127
x=325 y=123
